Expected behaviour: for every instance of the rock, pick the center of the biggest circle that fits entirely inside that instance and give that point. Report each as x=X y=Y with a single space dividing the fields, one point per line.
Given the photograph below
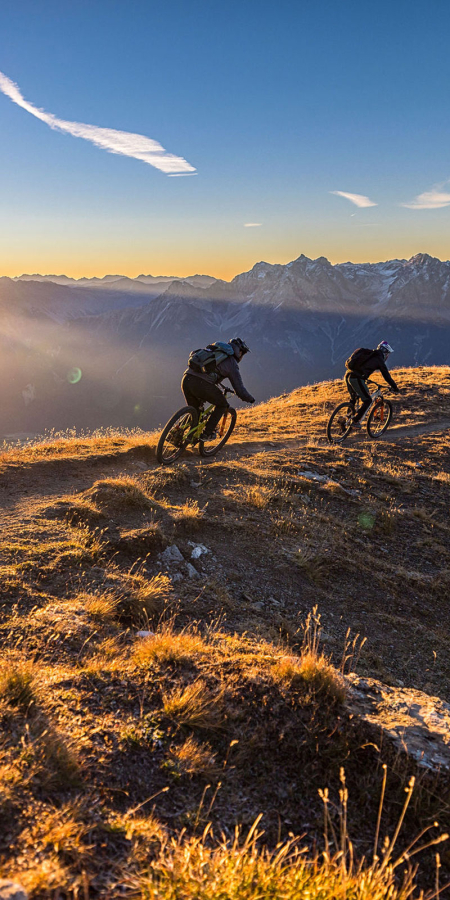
x=314 y=476
x=177 y=576
x=145 y=634
x=198 y=550
x=415 y=722
x=171 y=556
x=191 y=570
x=12 y=890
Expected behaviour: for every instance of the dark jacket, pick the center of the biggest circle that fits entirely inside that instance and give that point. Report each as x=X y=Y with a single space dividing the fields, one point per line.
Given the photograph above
x=375 y=363
x=227 y=369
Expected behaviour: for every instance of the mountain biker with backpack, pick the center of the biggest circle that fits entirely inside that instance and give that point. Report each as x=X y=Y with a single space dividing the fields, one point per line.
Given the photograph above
x=360 y=366
x=206 y=370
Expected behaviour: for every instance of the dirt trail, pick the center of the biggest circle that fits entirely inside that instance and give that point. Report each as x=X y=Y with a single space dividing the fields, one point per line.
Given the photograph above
x=22 y=489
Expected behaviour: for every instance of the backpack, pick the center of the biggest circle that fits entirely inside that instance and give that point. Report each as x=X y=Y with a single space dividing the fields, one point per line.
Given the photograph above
x=205 y=361
x=358 y=358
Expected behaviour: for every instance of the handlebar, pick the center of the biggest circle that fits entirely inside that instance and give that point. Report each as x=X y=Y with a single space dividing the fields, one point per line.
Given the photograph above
x=228 y=390
x=382 y=387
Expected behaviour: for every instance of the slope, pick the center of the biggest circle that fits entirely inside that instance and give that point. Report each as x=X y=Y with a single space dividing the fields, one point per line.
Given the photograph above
x=223 y=561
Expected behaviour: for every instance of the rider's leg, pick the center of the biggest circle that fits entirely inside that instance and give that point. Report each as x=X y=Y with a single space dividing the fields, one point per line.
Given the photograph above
x=205 y=391
x=358 y=385
x=190 y=397
x=353 y=395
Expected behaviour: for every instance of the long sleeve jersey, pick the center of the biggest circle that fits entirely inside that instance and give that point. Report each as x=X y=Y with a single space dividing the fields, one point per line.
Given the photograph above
x=227 y=369
x=376 y=363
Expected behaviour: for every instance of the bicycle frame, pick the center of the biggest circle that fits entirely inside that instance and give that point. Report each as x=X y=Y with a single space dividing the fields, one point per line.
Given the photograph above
x=196 y=432
x=374 y=397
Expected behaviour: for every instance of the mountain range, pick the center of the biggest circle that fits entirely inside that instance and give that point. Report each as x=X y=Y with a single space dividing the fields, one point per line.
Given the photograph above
x=111 y=351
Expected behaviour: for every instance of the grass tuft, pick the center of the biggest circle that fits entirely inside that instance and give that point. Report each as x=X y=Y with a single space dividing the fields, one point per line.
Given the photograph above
x=119 y=494
x=193 y=758
x=167 y=647
x=195 y=705
x=17 y=685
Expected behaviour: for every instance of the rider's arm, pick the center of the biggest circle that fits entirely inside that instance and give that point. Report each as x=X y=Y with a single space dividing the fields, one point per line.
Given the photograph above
x=387 y=377
x=230 y=369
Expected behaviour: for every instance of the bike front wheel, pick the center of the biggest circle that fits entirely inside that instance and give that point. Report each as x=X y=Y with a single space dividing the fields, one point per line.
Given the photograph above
x=379 y=418
x=175 y=435
x=340 y=423
x=224 y=430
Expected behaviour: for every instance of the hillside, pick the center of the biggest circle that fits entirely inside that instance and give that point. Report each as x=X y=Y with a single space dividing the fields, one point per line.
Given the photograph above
x=235 y=704
x=111 y=352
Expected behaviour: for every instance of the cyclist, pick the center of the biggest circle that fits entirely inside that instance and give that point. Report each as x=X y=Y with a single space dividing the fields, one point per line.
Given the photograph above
x=198 y=386
x=360 y=365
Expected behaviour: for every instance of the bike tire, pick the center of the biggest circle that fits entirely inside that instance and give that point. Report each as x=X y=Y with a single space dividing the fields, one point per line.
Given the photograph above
x=332 y=421
x=209 y=449
x=379 y=418
x=167 y=456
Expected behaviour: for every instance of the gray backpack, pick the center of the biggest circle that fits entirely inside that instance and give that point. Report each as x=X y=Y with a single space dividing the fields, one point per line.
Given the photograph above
x=205 y=361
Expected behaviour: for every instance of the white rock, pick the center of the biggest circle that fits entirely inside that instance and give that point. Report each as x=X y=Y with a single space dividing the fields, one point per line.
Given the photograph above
x=145 y=634
x=171 y=556
x=414 y=722
x=12 y=890
x=198 y=550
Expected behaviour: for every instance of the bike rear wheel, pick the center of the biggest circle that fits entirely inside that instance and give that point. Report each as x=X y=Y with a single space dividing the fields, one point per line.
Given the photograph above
x=175 y=435
x=224 y=430
x=379 y=417
x=339 y=423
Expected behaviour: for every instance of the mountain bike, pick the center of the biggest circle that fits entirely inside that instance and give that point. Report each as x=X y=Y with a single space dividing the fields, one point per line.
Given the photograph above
x=186 y=428
x=378 y=416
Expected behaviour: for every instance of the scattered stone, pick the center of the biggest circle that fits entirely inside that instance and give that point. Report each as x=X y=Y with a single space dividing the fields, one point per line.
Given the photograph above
x=140 y=465
x=324 y=479
x=314 y=476
x=145 y=634
x=192 y=571
x=177 y=576
x=415 y=722
x=171 y=556
x=198 y=550
x=12 y=890
x=274 y=602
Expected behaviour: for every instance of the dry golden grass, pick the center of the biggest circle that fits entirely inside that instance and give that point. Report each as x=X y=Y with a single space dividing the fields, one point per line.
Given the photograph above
x=193 y=758
x=258 y=495
x=42 y=879
x=102 y=607
x=118 y=494
x=167 y=646
x=311 y=671
x=242 y=871
x=63 y=831
x=304 y=412
x=195 y=705
x=146 y=597
x=69 y=445
x=189 y=516
x=18 y=683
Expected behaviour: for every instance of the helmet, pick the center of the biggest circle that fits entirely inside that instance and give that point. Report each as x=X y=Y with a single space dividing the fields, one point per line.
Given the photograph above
x=385 y=348
x=240 y=344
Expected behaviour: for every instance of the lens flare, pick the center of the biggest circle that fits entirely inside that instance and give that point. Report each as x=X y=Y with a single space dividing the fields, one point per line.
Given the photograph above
x=74 y=375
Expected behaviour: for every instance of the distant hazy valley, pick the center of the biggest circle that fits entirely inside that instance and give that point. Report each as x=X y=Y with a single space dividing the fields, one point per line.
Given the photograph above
x=111 y=351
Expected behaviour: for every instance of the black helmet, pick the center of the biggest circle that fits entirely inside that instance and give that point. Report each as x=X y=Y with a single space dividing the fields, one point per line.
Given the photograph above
x=241 y=344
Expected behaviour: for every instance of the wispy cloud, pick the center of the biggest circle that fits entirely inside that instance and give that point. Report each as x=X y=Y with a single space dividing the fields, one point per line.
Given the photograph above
x=123 y=143
x=434 y=199
x=357 y=199
x=252 y=224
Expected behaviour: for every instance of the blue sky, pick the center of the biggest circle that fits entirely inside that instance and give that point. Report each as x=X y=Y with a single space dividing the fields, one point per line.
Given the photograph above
x=275 y=106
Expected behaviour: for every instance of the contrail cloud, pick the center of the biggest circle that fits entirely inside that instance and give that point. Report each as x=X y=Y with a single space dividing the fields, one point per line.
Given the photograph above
x=123 y=143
